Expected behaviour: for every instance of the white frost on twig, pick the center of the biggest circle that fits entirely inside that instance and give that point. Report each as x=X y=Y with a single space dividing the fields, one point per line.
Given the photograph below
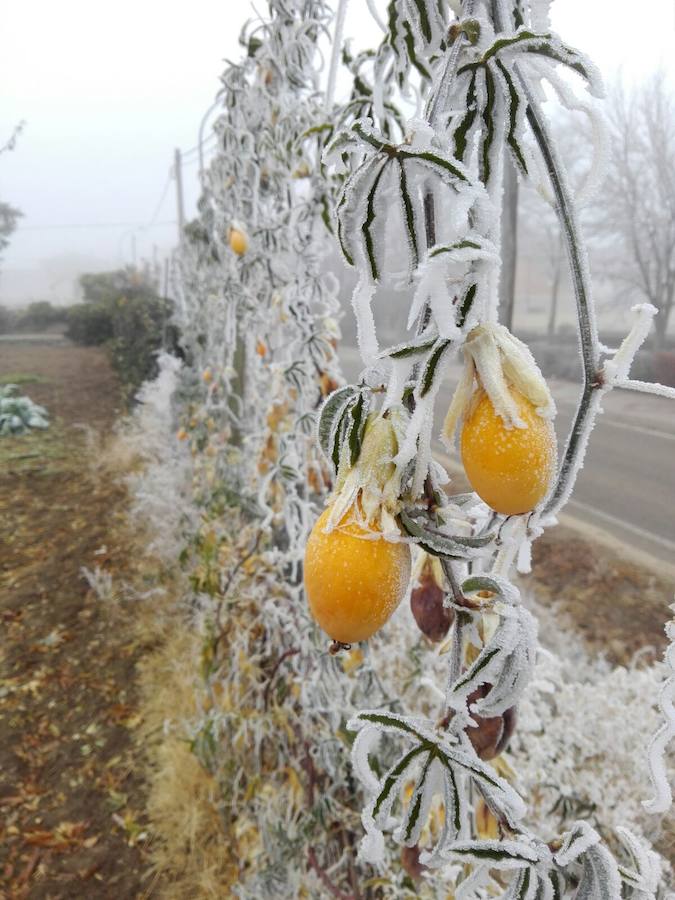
x=663 y=794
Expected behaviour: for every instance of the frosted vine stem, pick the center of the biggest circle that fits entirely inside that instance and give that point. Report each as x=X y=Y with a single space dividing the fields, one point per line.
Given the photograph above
x=588 y=334
x=335 y=52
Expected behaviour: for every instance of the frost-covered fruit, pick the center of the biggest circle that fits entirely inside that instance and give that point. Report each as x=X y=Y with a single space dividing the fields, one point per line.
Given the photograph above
x=354 y=582
x=238 y=241
x=509 y=468
x=426 y=603
x=492 y=734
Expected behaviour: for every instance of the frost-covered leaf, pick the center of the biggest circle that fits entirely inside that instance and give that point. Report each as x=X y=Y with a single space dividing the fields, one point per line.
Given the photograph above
x=360 y=227
x=575 y=842
x=644 y=873
x=599 y=875
x=411 y=348
x=550 y=46
x=331 y=418
x=440 y=762
x=431 y=365
x=416 y=33
x=500 y=854
x=438 y=543
x=507 y=660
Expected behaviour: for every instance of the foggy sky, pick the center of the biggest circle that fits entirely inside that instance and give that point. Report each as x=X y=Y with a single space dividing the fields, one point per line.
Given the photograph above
x=108 y=91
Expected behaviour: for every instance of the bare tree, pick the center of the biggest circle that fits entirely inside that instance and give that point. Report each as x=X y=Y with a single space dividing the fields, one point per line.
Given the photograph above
x=541 y=235
x=636 y=224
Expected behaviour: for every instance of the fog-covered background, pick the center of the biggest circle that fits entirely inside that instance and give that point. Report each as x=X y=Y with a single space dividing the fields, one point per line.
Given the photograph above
x=108 y=92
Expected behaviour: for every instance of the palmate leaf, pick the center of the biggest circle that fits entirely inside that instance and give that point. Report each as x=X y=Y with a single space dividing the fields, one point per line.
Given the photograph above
x=492 y=75
x=359 y=224
x=549 y=45
x=442 y=768
x=415 y=35
x=535 y=876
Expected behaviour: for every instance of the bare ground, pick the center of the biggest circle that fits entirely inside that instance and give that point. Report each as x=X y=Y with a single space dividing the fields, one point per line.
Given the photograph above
x=71 y=797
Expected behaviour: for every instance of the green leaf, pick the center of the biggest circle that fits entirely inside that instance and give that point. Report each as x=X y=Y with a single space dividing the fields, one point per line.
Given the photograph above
x=416 y=805
x=431 y=366
x=514 y=101
x=488 y=135
x=545 y=44
x=403 y=351
x=462 y=131
x=472 y=673
x=435 y=162
x=254 y=44
x=358 y=413
x=392 y=777
x=370 y=216
x=481 y=583
x=438 y=544
x=409 y=214
x=388 y=722
x=318 y=129
x=471 y=28
x=423 y=17
x=448 y=248
x=558 y=884
x=341 y=240
x=504 y=852
x=466 y=304
x=332 y=412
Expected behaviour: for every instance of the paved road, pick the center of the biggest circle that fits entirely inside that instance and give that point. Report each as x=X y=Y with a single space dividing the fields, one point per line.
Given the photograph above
x=625 y=494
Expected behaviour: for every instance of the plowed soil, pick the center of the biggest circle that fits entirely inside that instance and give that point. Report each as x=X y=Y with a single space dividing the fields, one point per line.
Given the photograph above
x=71 y=797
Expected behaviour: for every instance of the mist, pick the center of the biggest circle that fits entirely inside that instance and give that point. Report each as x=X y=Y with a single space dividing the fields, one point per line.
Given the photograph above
x=108 y=96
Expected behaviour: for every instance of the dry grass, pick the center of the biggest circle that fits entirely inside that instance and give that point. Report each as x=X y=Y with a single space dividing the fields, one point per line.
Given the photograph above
x=191 y=854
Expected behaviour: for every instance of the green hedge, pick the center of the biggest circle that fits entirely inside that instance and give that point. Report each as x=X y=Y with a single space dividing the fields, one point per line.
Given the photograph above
x=123 y=311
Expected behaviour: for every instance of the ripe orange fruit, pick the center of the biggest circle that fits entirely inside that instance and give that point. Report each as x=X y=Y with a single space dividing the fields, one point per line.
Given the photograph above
x=509 y=468
x=353 y=583
x=238 y=241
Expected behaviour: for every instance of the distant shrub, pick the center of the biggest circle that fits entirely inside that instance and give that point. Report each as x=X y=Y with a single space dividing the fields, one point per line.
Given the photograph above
x=139 y=331
x=6 y=320
x=89 y=324
x=40 y=315
x=123 y=310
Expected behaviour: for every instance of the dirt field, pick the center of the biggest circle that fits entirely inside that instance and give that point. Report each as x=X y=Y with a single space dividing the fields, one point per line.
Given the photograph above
x=71 y=803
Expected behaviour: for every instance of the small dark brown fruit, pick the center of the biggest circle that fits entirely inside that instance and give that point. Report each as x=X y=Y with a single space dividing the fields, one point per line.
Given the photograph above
x=492 y=734
x=410 y=860
x=426 y=604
